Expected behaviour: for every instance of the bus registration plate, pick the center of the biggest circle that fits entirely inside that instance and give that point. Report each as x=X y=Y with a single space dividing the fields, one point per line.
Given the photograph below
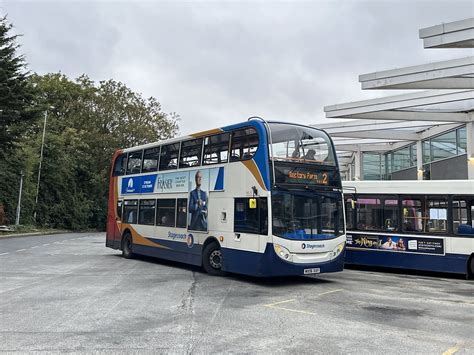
x=315 y=270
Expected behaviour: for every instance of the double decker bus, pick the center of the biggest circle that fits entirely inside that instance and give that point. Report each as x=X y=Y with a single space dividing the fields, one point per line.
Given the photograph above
x=257 y=198
x=419 y=225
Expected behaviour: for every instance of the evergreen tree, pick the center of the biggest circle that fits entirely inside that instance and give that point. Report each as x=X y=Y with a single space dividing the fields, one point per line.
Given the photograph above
x=16 y=94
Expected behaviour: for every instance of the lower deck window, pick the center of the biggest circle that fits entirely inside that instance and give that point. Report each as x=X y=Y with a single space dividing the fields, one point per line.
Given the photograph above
x=369 y=213
x=146 y=214
x=425 y=215
x=165 y=212
x=119 y=208
x=463 y=216
x=130 y=211
x=251 y=215
x=182 y=212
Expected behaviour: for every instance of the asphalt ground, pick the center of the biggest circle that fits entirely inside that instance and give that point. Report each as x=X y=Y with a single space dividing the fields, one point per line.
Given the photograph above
x=69 y=293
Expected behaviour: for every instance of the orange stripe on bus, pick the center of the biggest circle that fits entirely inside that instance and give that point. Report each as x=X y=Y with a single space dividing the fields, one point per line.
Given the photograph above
x=206 y=133
x=141 y=240
x=253 y=168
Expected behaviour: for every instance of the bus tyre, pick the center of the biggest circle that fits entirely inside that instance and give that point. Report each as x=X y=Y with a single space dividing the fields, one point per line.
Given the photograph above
x=470 y=268
x=127 y=246
x=212 y=259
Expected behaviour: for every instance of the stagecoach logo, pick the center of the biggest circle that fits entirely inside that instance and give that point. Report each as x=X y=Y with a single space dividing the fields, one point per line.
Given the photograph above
x=311 y=246
x=190 y=240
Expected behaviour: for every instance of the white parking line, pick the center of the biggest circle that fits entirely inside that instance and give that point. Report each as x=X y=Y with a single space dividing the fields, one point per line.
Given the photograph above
x=36 y=246
x=452 y=350
x=46 y=244
x=21 y=249
x=328 y=292
x=4 y=253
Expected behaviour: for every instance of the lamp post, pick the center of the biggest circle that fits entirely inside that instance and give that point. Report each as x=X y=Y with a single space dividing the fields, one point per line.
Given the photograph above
x=40 y=162
x=18 y=208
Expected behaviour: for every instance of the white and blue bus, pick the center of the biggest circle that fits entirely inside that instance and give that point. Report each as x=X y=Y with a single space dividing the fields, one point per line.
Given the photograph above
x=420 y=225
x=257 y=198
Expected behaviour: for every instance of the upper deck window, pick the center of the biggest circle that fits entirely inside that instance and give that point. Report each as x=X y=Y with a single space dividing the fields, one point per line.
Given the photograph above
x=216 y=149
x=190 y=153
x=169 y=156
x=244 y=144
x=134 y=162
x=150 y=159
x=300 y=144
x=119 y=165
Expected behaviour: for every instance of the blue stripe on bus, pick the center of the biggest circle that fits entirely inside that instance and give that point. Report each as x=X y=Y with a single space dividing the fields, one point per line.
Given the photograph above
x=238 y=261
x=181 y=247
x=454 y=263
x=168 y=254
x=219 y=186
x=261 y=157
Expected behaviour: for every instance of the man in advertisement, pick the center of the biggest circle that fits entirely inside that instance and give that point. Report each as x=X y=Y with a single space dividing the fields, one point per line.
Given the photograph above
x=198 y=206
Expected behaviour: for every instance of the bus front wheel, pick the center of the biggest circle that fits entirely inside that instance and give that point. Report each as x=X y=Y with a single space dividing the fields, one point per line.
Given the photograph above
x=127 y=246
x=212 y=259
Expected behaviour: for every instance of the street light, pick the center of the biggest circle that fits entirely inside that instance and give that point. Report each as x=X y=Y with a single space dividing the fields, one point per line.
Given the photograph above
x=41 y=161
x=18 y=208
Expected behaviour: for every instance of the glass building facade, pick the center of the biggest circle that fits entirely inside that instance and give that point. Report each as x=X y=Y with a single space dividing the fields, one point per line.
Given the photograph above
x=381 y=166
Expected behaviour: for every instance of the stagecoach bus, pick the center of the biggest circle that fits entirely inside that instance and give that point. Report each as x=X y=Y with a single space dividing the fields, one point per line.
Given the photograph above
x=420 y=225
x=257 y=198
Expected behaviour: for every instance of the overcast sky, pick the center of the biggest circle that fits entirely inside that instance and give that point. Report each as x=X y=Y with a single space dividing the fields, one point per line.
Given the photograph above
x=219 y=62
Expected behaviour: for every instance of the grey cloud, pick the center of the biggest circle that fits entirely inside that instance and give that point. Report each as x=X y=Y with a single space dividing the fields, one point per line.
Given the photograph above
x=215 y=63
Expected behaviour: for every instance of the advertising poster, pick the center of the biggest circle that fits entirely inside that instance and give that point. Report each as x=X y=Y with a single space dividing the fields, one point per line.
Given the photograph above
x=196 y=183
x=173 y=182
x=138 y=184
x=198 y=200
x=403 y=244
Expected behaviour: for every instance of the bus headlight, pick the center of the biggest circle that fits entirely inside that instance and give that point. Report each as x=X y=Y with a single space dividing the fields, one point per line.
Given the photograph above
x=338 y=250
x=282 y=252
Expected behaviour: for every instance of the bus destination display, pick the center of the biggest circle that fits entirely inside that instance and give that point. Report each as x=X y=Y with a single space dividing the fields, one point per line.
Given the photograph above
x=309 y=176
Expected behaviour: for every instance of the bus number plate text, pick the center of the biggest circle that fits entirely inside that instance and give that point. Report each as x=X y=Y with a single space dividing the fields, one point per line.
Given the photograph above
x=315 y=270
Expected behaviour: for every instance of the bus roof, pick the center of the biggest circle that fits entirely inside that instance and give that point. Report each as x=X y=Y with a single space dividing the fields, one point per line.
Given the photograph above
x=253 y=121
x=435 y=187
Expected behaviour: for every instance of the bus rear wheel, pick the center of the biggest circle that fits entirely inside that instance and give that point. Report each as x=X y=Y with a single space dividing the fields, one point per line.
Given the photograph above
x=470 y=268
x=127 y=246
x=212 y=259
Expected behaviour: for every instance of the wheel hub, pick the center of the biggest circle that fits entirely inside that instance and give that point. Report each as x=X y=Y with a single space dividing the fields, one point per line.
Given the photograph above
x=215 y=259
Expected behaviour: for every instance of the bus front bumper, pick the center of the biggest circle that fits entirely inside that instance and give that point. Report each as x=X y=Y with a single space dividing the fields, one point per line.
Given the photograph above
x=270 y=264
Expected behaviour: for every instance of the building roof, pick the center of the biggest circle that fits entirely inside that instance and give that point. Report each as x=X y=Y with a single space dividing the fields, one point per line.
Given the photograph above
x=391 y=122
x=458 y=34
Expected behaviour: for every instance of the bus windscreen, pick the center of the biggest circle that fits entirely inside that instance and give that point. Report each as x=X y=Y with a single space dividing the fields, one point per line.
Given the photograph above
x=300 y=144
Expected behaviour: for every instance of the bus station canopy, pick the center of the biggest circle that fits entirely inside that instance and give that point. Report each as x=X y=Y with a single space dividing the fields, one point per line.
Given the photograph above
x=443 y=100
x=458 y=34
x=400 y=118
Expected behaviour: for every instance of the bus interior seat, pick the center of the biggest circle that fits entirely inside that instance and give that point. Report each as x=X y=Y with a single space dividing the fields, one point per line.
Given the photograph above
x=234 y=157
x=465 y=229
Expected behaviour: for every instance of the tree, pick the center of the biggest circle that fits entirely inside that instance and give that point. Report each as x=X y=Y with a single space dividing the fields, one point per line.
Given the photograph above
x=16 y=94
x=87 y=124
x=16 y=115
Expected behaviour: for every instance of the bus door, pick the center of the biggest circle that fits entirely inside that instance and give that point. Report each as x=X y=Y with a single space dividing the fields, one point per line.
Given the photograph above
x=250 y=221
